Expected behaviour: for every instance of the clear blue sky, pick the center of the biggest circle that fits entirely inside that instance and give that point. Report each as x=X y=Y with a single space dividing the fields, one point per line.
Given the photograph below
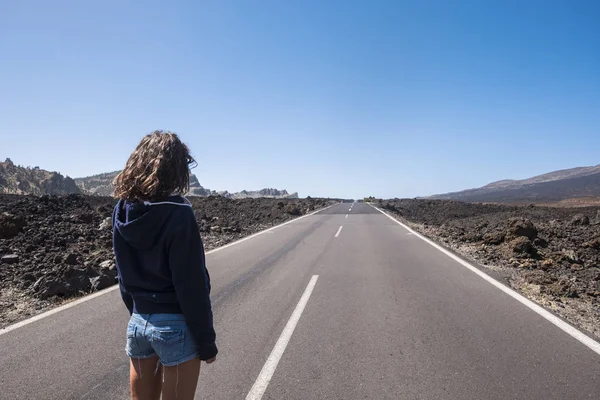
x=327 y=98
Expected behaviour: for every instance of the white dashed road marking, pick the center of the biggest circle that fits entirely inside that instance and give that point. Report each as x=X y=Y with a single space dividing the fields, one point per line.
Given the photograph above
x=259 y=387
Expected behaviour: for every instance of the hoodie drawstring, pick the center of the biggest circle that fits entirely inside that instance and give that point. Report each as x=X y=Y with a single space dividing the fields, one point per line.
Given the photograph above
x=187 y=203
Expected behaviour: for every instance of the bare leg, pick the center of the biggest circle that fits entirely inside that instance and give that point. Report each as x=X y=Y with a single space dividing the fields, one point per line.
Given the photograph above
x=180 y=381
x=144 y=378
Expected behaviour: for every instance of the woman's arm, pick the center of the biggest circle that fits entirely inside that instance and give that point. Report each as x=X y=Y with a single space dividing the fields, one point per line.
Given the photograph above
x=127 y=299
x=191 y=282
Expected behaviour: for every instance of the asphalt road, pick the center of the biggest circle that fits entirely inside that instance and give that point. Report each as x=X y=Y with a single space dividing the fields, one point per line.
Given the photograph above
x=389 y=317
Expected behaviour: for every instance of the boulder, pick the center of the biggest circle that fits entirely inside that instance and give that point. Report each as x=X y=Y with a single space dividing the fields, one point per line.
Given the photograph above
x=522 y=227
x=571 y=256
x=9 y=259
x=10 y=225
x=71 y=259
x=562 y=288
x=580 y=220
x=49 y=286
x=522 y=245
x=292 y=209
x=83 y=217
x=102 y=281
x=108 y=264
x=494 y=238
x=593 y=244
x=106 y=224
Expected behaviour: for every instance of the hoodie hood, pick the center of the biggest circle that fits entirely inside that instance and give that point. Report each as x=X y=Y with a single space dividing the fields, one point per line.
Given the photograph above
x=141 y=223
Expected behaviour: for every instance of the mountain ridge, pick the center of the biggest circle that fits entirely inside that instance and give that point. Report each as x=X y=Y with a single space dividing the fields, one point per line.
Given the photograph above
x=101 y=184
x=547 y=177
x=553 y=186
x=16 y=179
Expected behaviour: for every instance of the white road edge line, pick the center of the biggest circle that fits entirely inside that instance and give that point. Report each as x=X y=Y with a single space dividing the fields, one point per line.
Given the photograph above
x=261 y=383
x=115 y=287
x=346 y=216
x=570 y=330
x=339 y=231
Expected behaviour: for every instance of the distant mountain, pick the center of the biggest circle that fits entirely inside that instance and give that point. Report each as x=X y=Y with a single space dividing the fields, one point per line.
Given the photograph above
x=270 y=193
x=196 y=188
x=16 y=179
x=551 y=187
x=101 y=185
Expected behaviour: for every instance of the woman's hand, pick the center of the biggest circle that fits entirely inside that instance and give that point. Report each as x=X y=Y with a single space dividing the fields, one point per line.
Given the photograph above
x=210 y=361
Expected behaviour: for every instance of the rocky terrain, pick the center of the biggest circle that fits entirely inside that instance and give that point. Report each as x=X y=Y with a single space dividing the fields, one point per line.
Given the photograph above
x=53 y=249
x=553 y=187
x=552 y=255
x=15 y=179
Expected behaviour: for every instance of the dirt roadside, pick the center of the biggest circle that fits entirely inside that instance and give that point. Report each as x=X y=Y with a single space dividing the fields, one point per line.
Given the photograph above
x=56 y=249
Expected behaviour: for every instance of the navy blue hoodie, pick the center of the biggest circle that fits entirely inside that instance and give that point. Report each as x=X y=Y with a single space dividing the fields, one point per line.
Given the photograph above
x=160 y=260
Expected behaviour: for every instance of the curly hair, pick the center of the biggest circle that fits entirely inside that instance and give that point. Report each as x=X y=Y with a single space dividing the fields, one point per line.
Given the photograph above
x=159 y=167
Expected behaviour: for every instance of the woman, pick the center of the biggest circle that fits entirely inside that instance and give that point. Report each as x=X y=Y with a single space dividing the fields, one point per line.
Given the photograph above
x=162 y=274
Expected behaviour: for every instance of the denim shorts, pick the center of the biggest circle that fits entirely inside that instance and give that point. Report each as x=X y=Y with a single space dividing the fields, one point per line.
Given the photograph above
x=164 y=335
